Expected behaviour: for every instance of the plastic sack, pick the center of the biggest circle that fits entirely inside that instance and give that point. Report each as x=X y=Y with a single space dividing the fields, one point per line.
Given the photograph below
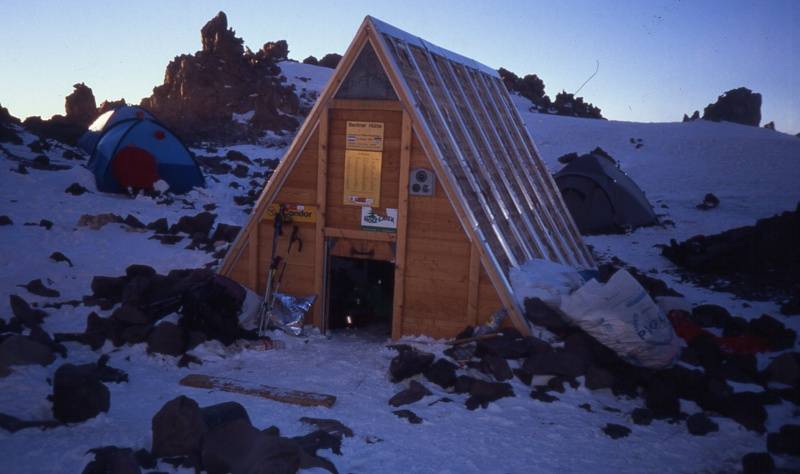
x=622 y=316
x=546 y=280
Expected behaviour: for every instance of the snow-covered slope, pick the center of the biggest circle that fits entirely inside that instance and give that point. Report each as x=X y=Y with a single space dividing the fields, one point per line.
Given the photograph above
x=753 y=171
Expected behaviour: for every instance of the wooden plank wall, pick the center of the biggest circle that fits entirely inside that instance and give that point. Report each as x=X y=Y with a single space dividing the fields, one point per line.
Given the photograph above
x=444 y=286
x=342 y=216
x=438 y=260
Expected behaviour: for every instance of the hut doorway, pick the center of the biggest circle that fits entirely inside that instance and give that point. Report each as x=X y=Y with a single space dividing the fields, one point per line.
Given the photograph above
x=360 y=295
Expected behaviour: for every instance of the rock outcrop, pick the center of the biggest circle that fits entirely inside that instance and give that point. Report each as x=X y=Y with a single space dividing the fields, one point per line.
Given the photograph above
x=532 y=88
x=736 y=105
x=81 y=110
x=7 y=132
x=80 y=106
x=225 y=92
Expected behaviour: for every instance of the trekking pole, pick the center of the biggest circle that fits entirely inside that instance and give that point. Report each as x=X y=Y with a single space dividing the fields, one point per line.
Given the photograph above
x=266 y=305
x=277 y=283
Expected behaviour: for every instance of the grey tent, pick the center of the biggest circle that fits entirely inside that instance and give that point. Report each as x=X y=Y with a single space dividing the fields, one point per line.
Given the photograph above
x=601 y=197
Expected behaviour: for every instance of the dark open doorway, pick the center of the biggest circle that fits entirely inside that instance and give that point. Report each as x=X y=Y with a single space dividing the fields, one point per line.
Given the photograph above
x=360 y=295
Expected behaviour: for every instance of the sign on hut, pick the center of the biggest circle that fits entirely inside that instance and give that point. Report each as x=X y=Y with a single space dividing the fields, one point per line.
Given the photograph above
x=423 y=189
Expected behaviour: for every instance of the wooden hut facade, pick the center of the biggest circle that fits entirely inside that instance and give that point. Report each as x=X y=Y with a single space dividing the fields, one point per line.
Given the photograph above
x=416 y=157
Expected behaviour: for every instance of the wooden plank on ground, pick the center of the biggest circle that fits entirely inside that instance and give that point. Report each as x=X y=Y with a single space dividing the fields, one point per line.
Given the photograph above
x=283 y=395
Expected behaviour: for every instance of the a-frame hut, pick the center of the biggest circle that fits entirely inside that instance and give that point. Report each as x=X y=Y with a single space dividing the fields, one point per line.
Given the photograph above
x=416 y=157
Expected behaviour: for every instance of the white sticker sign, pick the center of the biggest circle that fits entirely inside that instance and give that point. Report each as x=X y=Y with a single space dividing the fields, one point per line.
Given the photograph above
x=372 y=219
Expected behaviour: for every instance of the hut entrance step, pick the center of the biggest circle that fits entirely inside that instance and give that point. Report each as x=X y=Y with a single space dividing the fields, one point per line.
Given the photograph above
x=360 y=295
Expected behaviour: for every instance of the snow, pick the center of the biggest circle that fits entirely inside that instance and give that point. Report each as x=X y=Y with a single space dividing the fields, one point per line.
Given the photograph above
x=244 y=118
x=410 y=39
x=753 y=172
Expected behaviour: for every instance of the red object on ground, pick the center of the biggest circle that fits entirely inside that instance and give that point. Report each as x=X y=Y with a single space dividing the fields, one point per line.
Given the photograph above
x=687 y=330
x=134 y=167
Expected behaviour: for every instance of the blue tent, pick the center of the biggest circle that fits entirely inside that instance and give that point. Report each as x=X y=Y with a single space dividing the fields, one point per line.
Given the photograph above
x=135 y=153
x=107 y=120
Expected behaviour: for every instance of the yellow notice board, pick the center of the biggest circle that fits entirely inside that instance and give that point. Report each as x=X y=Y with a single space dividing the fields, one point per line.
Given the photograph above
x=364 y=136
x=362 y=178
x=293 y=212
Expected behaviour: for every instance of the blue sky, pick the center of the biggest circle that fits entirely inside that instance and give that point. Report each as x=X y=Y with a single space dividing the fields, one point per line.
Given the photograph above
x=658 y=59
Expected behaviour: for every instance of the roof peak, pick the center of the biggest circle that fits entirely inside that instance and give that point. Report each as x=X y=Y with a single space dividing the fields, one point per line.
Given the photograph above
x=391 y=30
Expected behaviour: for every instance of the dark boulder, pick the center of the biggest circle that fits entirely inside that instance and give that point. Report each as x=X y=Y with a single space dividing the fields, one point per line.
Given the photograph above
x=778 y=336
x=78 y=393
x=320 y=439
x=13 y=424
x=26 y=315
x=212 y=306
x=178 y=428
x=415 y=392
x=109 y=288
x=133 y=222
x=661 y=398
x=5 y=220
x=710 y=201
x=225 y=233
x=60 y=257
x=510 y=344
x=785 y=441
x=700 y=425
x=463 y=384
x=785 y=369
x=758 y=463
x=138 y=270
x=710 y=316
x=442 y=373
x=555 y=363
x=482 y=393
x=22 y=350
x=200 y=223
x=747 y=409
x=330 y=426
x=168 y=339
x=75 y=189
x=105 y=372
x=642 y=416
x=237 y=446
x=541 y=394
x=129 y=315
x=597 y=378
x=540 y=314
x=408 y=363
x=221 y=413
x=159 y=226
x=408 y=415
x=37 y=288
x=497 y=367
x=42 y=337
x=615 y=431
x=111 y=459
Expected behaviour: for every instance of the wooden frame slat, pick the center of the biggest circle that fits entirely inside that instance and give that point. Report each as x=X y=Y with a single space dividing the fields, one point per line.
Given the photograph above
x=398 y=298
x=366 y=104
x=319 y=237
x=359 y=234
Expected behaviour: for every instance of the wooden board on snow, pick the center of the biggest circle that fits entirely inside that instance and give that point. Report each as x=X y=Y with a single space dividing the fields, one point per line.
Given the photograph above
x=294 y=397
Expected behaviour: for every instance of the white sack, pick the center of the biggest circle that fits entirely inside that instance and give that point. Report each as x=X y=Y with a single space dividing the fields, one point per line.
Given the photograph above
x=543 y=279
x=622 y=316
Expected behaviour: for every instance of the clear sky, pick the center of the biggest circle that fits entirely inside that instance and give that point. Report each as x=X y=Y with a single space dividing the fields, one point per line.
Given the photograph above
x=658 y=59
